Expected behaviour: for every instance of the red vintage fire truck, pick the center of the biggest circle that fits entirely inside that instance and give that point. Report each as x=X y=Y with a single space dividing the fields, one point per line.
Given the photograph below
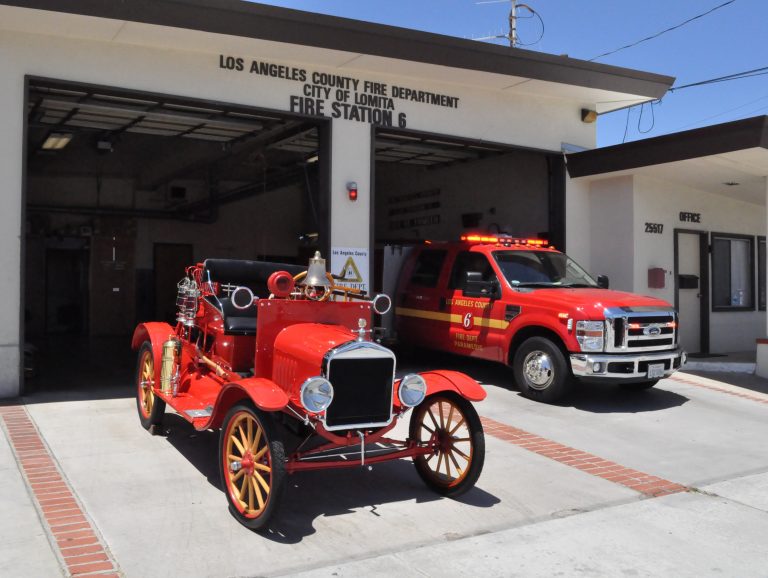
x=270 y=353
x=522 y=303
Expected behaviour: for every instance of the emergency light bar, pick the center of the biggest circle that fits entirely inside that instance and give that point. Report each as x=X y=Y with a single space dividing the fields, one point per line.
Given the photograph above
x=504 y=240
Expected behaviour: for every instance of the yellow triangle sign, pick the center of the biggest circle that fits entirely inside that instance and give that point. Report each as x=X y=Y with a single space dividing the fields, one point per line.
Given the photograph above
x=350 y=273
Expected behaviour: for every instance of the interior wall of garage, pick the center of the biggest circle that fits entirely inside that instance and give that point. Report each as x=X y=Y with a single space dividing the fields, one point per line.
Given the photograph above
x=510 y=192
x=186 y=63
x=241 y=230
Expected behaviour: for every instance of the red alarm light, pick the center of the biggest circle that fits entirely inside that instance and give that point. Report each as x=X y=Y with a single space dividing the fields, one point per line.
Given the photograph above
x=352 y=191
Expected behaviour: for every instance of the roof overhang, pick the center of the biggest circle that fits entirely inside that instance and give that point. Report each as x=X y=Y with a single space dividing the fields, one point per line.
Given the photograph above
x=729 y=159
x=352 y=44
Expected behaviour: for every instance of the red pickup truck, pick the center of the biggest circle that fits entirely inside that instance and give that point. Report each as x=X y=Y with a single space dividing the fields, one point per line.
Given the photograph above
x=522 y=303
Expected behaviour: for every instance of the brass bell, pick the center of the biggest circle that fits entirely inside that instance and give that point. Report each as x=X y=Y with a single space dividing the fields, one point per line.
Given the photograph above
x=316 y=273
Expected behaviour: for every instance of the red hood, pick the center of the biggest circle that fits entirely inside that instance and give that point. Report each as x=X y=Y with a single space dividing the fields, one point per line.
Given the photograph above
x=592 y=302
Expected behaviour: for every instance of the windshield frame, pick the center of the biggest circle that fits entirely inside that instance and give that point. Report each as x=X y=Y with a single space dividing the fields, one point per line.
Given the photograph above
x=586 y=278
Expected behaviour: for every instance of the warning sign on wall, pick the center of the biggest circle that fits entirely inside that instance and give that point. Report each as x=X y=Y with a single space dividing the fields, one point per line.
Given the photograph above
x=350 y=266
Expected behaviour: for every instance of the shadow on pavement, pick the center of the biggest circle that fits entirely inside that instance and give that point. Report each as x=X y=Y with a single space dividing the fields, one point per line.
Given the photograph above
x=310 y=495
x=591 y=397
x=604 y=398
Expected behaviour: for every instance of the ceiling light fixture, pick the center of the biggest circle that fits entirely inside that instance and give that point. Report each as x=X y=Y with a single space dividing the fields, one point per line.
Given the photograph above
x=731 y=183
x=57 y=141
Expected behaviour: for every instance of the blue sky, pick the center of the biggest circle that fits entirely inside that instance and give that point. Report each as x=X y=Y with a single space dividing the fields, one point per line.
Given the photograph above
x=731 y=39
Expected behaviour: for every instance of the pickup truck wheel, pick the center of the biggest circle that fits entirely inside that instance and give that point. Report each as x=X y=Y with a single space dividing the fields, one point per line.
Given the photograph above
x=448 y=423
x=151 y=408
x=541 y=370
x=252 y=465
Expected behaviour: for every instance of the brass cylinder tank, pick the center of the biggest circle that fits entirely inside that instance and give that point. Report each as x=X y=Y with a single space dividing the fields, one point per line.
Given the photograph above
x=169 y=364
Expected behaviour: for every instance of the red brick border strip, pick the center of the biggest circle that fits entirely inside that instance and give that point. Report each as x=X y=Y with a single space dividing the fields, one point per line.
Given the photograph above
x=646 y=484
x=71 y=533
x=744 y=395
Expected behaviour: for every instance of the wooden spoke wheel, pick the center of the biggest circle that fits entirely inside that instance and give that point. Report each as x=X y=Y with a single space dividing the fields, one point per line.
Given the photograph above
x=450 y=425
x=151 y=408
x=252 y=461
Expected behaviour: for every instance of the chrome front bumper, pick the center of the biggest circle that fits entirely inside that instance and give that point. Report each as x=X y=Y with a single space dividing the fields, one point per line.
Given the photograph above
x=622 y=367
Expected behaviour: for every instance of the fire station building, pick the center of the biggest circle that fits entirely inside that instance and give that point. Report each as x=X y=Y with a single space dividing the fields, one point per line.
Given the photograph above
x=140 y=136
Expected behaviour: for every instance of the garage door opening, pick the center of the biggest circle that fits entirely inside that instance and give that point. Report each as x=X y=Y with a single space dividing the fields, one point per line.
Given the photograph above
x=433 y=187
x=125 y=188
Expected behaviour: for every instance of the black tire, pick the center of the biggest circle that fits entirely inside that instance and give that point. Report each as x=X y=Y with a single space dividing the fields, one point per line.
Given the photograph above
x=541 y=370
x=150 y=407
x=640 y=385
x=255 y=510
x=471 y=436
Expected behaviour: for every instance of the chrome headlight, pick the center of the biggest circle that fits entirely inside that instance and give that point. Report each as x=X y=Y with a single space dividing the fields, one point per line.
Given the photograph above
x=412 y=390
x=590 y=335
x=316 y=394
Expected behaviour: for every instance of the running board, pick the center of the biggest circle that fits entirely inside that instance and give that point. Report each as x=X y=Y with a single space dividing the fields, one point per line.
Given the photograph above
x=198 y=413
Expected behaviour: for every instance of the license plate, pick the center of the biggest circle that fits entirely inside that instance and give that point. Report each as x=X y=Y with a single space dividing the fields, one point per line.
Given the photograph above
x=655 y=370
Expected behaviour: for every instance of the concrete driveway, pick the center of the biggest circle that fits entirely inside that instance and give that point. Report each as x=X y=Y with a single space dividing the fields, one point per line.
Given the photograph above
x=671 y=481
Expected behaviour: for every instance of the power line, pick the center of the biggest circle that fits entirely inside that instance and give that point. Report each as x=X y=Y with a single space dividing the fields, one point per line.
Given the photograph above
x=735 y=108
x=735 y=76
x=670 y=29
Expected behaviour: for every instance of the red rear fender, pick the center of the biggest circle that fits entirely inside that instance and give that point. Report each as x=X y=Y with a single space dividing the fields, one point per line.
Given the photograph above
x=263 y=393
x=444 y=380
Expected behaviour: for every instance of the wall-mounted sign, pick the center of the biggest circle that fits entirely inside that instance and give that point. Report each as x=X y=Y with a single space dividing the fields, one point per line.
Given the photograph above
x=404 y=211
x=654 y=228
x=339 y=96
x=690 y=217
x=351 y=266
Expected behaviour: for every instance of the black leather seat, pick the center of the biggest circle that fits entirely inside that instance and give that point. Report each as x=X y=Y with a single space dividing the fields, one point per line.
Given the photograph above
x=251 y=274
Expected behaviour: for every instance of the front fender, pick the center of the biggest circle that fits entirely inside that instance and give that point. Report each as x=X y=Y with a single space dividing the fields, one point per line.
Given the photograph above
x=156 y=333
x=461 y=383
x=265 y=394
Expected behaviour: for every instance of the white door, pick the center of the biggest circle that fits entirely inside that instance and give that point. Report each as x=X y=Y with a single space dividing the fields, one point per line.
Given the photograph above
x=689 y=299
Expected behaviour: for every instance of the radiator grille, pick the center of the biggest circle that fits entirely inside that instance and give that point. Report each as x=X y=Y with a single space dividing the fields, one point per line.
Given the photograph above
x=650 y=330
x=362 y=392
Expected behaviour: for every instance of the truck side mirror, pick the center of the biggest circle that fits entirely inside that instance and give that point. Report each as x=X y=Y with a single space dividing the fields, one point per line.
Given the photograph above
x=603 y=282
x=475 y=286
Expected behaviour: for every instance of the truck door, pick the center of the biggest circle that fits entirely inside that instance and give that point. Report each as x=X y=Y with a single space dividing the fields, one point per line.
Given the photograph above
x=477 y=323
x=419 y=321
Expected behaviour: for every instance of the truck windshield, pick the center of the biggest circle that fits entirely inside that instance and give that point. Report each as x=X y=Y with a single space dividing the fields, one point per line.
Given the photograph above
x=541 y=269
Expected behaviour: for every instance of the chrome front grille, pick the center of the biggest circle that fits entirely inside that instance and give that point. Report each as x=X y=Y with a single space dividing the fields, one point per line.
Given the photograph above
x=630 y=329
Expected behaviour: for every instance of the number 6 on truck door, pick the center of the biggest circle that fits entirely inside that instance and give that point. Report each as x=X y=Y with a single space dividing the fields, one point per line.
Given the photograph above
x=472 y=300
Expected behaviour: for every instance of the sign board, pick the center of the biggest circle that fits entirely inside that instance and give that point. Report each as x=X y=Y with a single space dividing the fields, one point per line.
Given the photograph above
x=351 y=265
x=338 y=96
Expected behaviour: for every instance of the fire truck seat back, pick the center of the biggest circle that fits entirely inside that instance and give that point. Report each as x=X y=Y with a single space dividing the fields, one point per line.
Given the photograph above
x=251 y=274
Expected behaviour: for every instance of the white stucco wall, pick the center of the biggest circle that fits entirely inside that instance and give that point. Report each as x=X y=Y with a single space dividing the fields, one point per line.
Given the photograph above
x=11 y=148
x=612 y=232
x=661 y=202
x=115 y=54
x=620 y=247
x=578 y=221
